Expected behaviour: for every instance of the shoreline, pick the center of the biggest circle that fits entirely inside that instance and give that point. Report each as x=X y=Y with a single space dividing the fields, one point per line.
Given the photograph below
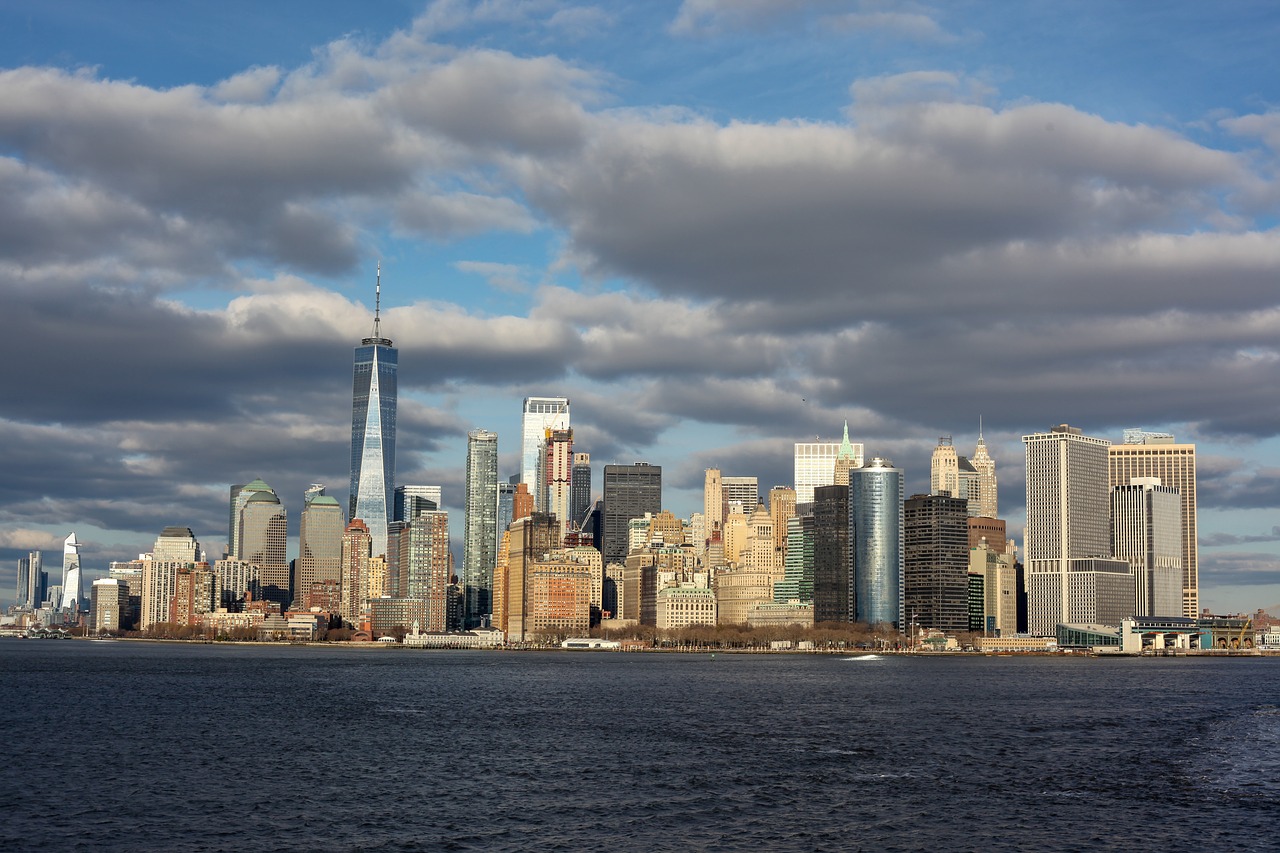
x=687 y=650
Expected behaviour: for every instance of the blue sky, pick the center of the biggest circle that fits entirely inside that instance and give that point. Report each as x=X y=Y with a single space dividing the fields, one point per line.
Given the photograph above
x=719 y=227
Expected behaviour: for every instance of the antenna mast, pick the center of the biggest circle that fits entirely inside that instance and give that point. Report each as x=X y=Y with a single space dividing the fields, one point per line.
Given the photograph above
x=377 y=303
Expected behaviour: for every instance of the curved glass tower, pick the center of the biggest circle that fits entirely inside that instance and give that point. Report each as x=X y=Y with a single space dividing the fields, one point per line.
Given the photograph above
x=373 y=430
x=875 y=540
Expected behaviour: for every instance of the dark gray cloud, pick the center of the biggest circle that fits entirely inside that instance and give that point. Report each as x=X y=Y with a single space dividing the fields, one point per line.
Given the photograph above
x=1239 y=568
x=1218 y=540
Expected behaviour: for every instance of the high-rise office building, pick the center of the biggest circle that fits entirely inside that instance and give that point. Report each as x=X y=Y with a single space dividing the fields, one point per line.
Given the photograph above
x=557 y=476
x=875 y=541
x=539 y=415
x=712 y=507
x=1146 y=454
x=480 y=526
x=262 y=538
x=408 y=501
x=319 y=544
x=629 y=492
x=1067 y=519
x=815 y=465
x=178 y=544
x=580 y=493
x=846 y=459
x=373 y=429
x=782 y=506
x=743 y=490
x=935 y=574
x=797 y=583
x=986 y=503
x=506 y=510
x=833 y=590
x=73 y=598
x=32 y=580
x=954 y=475
x=1146 y=530
x=240 y=494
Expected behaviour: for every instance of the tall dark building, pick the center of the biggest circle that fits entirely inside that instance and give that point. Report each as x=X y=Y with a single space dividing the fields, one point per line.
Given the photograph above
x=373 y=430
x=833 y=590
x=629 y=492
x=935 y=533
x=580 y=490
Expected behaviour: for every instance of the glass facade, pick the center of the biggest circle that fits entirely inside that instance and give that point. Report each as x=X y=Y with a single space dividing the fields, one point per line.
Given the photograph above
x=480 y=520
x=540 y=414
x=373 y=437
x=875 y=541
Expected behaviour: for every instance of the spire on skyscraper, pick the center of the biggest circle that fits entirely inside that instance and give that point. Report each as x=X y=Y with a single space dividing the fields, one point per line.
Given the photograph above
x=373 y=429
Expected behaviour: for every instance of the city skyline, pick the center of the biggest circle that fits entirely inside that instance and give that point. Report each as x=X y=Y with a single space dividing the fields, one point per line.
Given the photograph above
x=720 y=229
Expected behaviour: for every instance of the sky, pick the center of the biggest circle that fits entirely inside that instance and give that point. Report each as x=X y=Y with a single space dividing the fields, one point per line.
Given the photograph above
x=718 y=227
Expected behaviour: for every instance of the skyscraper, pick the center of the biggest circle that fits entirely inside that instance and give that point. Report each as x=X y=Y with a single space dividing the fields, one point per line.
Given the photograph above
x=815 y=465
x=72 y=582
x=319 y=544
x=262 y=537
x=480 y=523
x=846 y=459
x=557 y=476
x=875 y=541
x=1146 y=530
x=1146 y=454
x=540 y=414
x=986 y=504
x=743 y=490
x=410 y=501
x=712 y=507
x=833 y=590
x=935 y=576
x=629 y=492
x=240 y=494
x=1067 y=518
x=357 y=547
x=424 y=566
x=373 y=429
x=31 y=580
x=580 y=492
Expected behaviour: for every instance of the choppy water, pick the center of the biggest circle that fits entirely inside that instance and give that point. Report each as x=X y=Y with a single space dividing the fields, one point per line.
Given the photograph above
x=128 y=746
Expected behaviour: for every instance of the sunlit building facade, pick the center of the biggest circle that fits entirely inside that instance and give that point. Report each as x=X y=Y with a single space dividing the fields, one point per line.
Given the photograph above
x=373 y=431
x=875 y=541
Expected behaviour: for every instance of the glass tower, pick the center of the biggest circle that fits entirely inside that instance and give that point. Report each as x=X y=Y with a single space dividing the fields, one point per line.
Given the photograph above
x=540 y=415
x=875 y=541
x=480 y=519
x=373 y=430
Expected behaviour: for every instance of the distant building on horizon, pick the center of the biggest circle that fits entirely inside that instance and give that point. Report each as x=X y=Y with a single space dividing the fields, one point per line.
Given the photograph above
x=73 y=597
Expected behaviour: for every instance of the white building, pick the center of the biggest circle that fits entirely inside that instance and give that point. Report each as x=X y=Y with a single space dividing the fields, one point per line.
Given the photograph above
x=1147 y=454
x=540 y=414
x=1067 y=519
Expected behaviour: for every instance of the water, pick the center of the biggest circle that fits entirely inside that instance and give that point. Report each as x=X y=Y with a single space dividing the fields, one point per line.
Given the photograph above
x=129 y=746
